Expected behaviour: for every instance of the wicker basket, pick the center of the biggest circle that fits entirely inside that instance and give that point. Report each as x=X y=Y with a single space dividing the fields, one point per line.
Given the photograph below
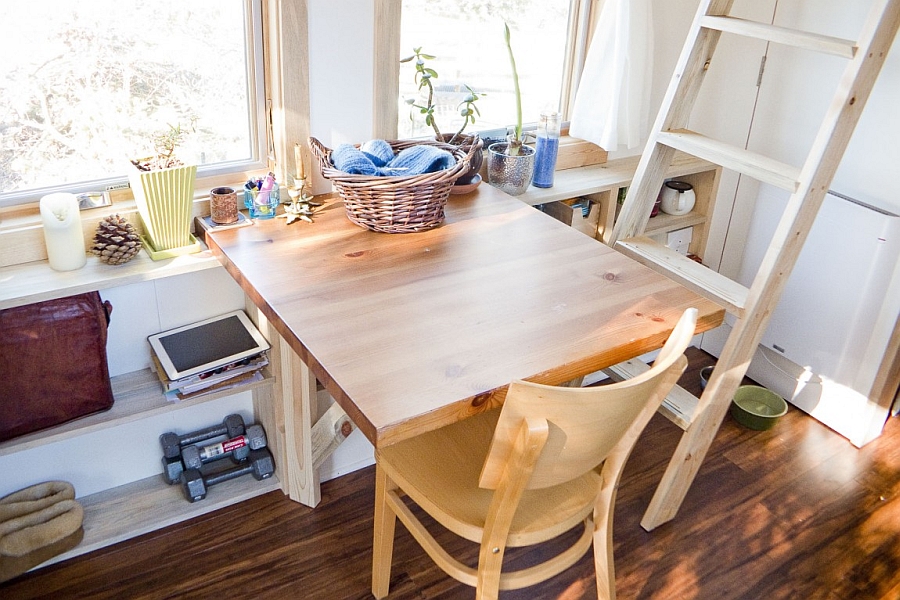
x=395 y=204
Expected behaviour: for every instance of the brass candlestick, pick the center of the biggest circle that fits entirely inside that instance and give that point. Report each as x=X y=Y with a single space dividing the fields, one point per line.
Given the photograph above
x=303 y=205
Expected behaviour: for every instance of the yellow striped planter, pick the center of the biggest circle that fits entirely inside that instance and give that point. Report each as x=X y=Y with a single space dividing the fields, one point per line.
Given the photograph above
x=165 y=200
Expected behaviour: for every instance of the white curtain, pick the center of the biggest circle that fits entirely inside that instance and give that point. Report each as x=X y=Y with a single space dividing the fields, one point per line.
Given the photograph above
x=612 y=104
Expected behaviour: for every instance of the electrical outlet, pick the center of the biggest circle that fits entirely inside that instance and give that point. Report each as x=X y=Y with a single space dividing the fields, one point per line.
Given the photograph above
x=680 y=240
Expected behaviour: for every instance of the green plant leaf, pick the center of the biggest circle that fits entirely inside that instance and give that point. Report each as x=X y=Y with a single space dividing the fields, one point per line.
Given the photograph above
x=512 y=61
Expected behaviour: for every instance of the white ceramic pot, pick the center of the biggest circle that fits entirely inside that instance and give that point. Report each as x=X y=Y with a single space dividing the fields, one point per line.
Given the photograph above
x=677 y=198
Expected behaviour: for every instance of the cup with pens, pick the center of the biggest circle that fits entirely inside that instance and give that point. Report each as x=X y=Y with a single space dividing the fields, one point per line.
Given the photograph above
x=262 y=196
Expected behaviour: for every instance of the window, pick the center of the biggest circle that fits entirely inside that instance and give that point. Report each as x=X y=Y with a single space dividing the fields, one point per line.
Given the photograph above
x=84 y=86
x=466 y=38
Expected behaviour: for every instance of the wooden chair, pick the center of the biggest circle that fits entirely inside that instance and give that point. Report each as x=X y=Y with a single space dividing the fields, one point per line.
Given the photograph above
x=549 y=460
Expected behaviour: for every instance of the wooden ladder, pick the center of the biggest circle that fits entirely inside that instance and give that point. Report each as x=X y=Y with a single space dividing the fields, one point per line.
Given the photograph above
x=807 y=184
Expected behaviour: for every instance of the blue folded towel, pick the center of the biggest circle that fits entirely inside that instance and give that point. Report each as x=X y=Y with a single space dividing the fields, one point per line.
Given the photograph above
x=350 y=159
x=378 y=151
x=414 y=160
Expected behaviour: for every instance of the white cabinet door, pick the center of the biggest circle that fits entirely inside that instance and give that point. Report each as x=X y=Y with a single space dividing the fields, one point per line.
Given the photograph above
x=794 y=95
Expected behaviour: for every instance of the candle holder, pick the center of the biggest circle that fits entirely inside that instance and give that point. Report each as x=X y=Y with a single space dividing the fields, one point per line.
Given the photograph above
x=303 y=204
x=223 y=209
x=262 y=204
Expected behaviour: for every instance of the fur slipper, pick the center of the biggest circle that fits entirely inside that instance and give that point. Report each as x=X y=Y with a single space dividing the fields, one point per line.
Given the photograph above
x=36 y=524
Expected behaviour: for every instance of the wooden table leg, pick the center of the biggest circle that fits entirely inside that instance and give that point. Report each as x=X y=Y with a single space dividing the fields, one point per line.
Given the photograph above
x=298 y=389
x=287 y=413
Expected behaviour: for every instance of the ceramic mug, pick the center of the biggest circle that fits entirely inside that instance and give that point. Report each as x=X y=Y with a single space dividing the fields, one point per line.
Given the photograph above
x=677 y=198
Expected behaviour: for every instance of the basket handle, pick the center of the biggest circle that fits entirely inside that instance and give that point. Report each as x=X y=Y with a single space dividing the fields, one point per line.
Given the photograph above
x=320 y=152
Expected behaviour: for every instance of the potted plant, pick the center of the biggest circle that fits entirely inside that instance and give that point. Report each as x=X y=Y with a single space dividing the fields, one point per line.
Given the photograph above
x=424 y=76
x=511 y=163
x=163 y=188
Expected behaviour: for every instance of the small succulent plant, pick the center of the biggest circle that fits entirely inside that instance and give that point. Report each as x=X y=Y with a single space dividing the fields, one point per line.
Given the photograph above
x=424 y=76
x=164 y=144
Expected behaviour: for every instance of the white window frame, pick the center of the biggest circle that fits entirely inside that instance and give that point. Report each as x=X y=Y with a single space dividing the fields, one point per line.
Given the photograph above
x=208 y=176
x=582 y=14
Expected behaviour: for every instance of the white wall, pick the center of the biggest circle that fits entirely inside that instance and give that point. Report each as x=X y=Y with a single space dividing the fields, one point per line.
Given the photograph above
x=341 y=78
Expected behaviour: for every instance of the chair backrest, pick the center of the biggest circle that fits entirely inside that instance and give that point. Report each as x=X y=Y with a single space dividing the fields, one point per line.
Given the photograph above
x=586 y=424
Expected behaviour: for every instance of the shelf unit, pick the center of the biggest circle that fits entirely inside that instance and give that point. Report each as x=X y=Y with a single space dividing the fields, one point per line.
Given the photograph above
x=135 y=508
x=601 y=184
x=138 y=395
x=32 y=282
x=146 y=505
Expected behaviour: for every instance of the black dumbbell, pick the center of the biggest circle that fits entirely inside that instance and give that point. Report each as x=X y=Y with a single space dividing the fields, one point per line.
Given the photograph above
x=261 y=465
x=238 y=448
x=232 y=426
x=193 y=456
x=172 y=469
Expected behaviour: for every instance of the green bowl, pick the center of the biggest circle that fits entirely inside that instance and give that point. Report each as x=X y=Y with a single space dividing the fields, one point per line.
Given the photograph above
x=757 y=408
x=705 y=374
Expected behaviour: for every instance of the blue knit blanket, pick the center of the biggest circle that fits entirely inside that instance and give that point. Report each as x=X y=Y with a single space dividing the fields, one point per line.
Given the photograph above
x=376 y=157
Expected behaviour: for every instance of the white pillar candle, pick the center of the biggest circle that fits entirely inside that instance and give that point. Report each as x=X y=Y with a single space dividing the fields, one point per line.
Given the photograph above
x=62 y=231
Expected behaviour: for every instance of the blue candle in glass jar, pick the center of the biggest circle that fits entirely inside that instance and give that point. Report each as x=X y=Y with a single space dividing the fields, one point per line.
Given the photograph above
x=546 y=149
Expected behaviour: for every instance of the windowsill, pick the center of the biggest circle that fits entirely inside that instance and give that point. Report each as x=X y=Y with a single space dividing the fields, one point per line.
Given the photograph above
x=21 y=227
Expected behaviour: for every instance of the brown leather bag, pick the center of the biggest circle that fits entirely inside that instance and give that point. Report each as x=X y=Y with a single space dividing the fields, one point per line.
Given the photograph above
x=53 y=363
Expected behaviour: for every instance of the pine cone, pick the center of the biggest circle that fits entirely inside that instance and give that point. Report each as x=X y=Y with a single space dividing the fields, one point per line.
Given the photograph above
x=116 y=242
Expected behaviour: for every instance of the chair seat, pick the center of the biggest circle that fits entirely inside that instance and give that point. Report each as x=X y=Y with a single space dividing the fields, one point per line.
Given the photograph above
x=440 y=471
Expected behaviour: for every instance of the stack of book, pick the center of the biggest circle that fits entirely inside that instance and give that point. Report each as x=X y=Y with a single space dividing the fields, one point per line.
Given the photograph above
x=242 y=372
x=213 y=355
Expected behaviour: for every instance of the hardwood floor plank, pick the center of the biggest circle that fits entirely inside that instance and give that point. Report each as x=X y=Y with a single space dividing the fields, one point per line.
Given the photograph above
x=795 y=512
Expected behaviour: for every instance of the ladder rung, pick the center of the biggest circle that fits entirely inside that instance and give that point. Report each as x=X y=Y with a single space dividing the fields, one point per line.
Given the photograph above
x=782 y=35
x=731 y=157
x=679 y=405
x=691 y=274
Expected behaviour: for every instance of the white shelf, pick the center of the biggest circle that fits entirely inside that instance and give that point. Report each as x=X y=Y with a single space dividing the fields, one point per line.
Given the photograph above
x=136 y=508
x=137 y=395
x=602 y=183
x=663 y=223
x=32 y=282
x=127 y=511
x=609 y=176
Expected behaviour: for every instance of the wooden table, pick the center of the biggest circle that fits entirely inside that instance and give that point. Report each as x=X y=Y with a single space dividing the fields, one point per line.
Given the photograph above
x=411 y=332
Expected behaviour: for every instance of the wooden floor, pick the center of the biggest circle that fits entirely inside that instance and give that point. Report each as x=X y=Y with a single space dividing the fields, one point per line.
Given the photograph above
x=795 y=512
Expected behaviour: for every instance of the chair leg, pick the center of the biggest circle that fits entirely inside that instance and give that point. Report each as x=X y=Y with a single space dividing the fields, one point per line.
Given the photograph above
x=383 y=544
x=489 y=565
x=603 y=546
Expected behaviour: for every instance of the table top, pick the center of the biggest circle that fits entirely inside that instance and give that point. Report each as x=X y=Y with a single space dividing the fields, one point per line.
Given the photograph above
x=411 y=332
